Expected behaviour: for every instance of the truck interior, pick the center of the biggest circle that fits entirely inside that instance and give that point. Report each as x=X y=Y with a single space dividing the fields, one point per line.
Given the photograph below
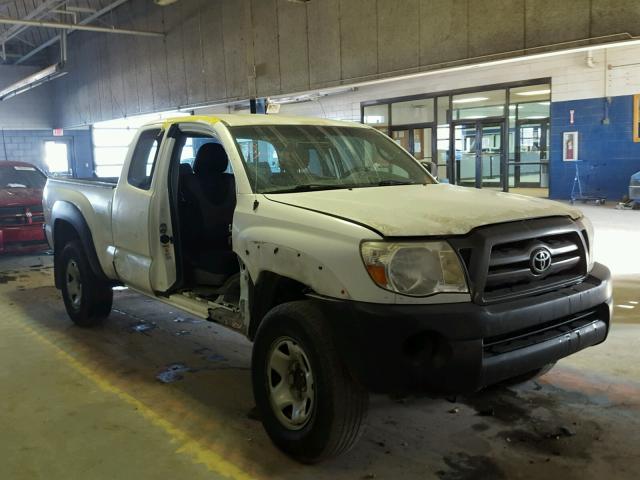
x=205 y=199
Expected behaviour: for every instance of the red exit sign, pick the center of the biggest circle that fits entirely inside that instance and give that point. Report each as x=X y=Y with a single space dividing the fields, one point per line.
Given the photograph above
x=58 y=132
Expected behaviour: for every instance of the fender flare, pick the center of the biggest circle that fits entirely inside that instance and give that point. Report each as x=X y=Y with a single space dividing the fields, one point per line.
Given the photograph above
x=69 y=213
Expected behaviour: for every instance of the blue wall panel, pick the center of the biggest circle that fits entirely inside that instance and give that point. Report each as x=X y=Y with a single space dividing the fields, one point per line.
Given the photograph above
x=608 y=152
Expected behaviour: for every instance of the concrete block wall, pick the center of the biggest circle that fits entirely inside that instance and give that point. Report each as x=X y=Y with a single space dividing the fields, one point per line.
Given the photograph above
x=24 y=146
x=28 y=146
x=608 y=154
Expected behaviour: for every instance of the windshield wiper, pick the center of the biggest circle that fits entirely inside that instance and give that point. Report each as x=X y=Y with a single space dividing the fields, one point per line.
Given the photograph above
x=384 y=183
x=308 y=187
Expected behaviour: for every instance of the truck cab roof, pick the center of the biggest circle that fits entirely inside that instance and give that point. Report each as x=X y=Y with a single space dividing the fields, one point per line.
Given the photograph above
x=235 y=120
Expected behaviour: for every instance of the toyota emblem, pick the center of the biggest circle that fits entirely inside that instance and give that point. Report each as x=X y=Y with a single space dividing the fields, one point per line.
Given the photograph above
x=540 y=260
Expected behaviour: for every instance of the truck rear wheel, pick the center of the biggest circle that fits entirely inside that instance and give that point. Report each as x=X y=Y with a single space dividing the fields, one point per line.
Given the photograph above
x=87 y=299
x=310 y=406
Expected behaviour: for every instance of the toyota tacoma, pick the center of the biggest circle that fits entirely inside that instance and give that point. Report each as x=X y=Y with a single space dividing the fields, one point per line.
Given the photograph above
x=349 y=267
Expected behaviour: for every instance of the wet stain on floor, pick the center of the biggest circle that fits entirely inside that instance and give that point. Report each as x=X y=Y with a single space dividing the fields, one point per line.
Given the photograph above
x=500 y=403
x=463 y=466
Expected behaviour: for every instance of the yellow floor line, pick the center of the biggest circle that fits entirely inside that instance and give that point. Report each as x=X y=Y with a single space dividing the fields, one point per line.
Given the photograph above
x=188 y=445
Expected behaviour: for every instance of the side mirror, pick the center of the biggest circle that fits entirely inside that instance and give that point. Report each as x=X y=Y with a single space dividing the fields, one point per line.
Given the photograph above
x=429 y=166
x=426 y=164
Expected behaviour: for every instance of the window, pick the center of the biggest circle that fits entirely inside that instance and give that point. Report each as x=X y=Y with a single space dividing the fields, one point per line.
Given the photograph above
x=288 y=158
x=144 y=157
x=19 y=176
x=479 y=105
x=412 y=112
x=377 y=116
x=56 y=157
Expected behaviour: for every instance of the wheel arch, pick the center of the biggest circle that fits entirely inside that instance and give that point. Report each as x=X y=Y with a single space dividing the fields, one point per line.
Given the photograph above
x=269 y=290
x=69 y=224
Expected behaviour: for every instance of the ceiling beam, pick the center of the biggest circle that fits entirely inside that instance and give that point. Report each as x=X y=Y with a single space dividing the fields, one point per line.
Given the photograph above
x=72 y=26
x=40 y=10
x=84 y=21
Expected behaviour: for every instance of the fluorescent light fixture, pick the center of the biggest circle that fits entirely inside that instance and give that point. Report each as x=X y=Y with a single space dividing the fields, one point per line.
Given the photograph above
x=531 y=93
x=470 y=99
x=536 y=117
x=34 y=80
x=475 y=117
x=544 y=104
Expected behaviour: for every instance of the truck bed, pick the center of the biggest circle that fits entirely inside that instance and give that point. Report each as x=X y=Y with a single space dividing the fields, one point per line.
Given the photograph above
x=94 y=199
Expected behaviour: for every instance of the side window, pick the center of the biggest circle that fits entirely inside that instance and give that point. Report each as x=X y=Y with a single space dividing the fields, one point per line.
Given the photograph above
x=144 y=159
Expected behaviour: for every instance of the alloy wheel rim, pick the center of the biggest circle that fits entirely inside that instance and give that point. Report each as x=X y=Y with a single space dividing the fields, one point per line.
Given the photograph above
x=291 y=385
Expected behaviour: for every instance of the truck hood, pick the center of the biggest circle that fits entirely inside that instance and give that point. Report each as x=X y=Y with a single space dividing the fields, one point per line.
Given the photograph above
x=424 y=210
x=16 y=197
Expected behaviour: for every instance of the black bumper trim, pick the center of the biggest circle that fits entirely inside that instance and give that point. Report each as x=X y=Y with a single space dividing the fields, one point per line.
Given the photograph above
x=441 y=347
x=508 y=365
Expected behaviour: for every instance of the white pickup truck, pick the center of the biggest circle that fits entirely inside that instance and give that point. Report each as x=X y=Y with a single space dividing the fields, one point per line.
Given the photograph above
x=344 y=261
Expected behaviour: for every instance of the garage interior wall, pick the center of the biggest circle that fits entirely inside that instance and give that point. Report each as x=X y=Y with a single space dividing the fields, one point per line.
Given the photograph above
x=221 y=50
x=26 y=123
x=225 y=50
x=601 y=97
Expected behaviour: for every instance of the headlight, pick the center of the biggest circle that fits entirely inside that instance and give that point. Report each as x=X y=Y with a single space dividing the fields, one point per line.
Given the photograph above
x=417 y=269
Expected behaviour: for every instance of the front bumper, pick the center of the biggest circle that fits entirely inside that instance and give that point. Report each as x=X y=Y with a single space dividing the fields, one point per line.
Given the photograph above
x=23 y=238
x=463 y=347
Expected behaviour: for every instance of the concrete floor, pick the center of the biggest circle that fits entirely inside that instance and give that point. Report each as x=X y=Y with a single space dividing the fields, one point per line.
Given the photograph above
x=86 y=403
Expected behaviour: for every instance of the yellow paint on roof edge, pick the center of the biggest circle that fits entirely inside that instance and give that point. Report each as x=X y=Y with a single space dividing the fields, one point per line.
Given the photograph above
x=193 y=118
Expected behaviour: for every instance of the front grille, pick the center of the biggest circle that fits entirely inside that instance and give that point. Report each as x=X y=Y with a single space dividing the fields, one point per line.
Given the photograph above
x=498 y=258
x=540 y=333
x=37 y=214
x=510 y=271
x=16 y=216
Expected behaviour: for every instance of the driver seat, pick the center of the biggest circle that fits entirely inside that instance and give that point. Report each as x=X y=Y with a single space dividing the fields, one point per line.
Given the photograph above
x=212 y=197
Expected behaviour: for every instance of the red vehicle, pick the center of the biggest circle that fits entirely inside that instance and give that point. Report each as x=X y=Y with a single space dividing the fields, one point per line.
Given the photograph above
x=21 y=217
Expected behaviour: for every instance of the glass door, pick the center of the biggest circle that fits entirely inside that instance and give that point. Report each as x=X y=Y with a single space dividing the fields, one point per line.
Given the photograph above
x=491 y=155
x=530 y=169
x=478 y=154
x=56 y=157
x=465 y=138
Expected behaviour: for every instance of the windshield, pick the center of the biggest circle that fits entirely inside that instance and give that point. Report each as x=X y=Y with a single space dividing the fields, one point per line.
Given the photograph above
x=292 y=158
x=21 y=177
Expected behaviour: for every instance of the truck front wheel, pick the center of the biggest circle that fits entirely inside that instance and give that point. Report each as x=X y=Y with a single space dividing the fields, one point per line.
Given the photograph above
x=310 y=406
x=87 y=299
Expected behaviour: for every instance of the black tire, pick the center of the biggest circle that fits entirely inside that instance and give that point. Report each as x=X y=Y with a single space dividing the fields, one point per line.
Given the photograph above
x=532 y=375
x=93 y=304
x=339 y=409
